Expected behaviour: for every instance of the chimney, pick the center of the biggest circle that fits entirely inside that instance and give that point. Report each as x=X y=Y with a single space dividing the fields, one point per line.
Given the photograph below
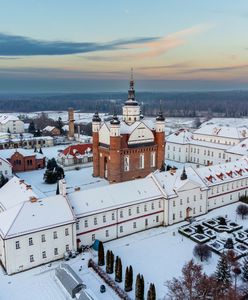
x=77 y=189
x=62 y=187
x=21 y=181
x=28 y=187
x=71 y=123
x=33 y=199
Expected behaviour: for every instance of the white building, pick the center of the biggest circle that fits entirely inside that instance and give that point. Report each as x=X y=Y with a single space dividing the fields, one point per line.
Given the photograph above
x=11 y=123
x=35 y=231
x=218 y=146
x=5 y=167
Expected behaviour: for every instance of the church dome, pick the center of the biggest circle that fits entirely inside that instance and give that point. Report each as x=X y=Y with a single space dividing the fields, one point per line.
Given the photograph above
x=115 y=120
x=160 y=117
x=96 y=117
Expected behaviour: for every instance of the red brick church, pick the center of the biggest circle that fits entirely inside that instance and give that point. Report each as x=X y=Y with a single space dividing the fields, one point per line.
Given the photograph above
x=129 y=148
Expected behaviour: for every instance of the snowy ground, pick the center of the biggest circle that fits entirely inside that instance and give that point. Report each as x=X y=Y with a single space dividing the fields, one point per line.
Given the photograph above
x=158 y=254
x=76 y=178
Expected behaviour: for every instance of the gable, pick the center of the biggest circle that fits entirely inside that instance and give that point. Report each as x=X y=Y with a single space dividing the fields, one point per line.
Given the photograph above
x=104 y=135
x=187 y=186
x=141 y=134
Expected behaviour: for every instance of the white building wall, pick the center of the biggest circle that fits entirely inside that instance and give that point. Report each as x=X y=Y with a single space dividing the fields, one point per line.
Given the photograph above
x=177 y=152
x=19 y=259
x=119 y=222
x=215 y=139
x=5 y=168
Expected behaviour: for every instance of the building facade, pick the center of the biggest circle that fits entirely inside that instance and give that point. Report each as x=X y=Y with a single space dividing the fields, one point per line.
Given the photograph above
x=11 y=124
x=5 y=167
x=129 y=148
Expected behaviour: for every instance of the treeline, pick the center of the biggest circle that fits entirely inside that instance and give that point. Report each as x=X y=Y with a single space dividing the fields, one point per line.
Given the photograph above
x=178 y=104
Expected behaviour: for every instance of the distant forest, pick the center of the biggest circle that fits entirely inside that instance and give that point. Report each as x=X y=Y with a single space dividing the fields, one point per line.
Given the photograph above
x=174 y=104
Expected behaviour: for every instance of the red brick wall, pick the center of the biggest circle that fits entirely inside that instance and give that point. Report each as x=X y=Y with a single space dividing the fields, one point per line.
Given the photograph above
x=28 y=163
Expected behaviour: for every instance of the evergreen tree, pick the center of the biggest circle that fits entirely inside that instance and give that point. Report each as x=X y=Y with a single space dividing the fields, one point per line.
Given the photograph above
x=31 y=127
x=118 y=272
x=127 y=280
x=57 y=190
x=142 y=287
x=245 y=270
x=101 y=257
x=153 y=291
x=60 y=125
x=109 y=266
x=222 y=273
x=137 y=287
x=112 y=260
x=35 y=149
x=41 y=152
x=131 y=277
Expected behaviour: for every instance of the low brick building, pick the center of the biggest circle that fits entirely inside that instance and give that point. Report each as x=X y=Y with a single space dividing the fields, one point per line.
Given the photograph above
x=23 y=160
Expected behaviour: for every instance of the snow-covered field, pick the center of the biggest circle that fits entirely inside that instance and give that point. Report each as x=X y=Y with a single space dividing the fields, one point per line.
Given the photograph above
x=76 y=178
x=158 y=254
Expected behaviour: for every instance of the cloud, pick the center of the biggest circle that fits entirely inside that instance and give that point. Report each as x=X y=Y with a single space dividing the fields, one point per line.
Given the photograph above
x=217 y=69
x=14 y=45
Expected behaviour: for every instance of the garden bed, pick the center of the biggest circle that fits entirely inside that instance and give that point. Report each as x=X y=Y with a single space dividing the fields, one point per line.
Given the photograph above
x=186 y=230
x=210 y=233
x=240 y=236
x=199 y=238
x=211 y=223
x=216 y=246
x=243 y=249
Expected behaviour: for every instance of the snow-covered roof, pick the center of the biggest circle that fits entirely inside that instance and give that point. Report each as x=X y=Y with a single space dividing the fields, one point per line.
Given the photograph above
x=223 y=131
x=170 y=181
x=113 y=196
x=5 y=160
x=209 y=144
x=49 y=128
x=30 y=216
x=7 y=153
x=218 y=174
x=181 y=136
x=15 y=191
x=6 y=118
x=76 y=150
x=241 y=148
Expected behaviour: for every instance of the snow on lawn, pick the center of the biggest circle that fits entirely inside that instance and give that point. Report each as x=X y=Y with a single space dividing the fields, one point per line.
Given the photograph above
x=160 y=253
x=75 y=178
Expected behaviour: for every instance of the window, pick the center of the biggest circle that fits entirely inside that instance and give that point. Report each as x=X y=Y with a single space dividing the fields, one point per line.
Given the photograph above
x=67 y=247
x=121 y=214
x=134 y=225
x=31 y=258
x=146 y=222
x=104 y=219
x=141 y=161
x=152 y=205
x=145 y=207
x=200 y=209
x=129 y=212
x=121 y=228
x=126 y=163
x=194 y=197
x=30 y=241
x=138 y=209
x=174 y=203
x=56 y=251
x=113 y=216
x=17 y=245
x=77 y=225
x=93 y=237
x=173 y=217
x=159 y=204
x=43 y=238
x=66 y=231
x=44 y=254
x=153 y=159
x=201 y=196
x=181 y=201
x=187 y=199
x=107 y=233
x=157 y=218
x=180 y=214
x=55 y=235
x=194 y=210
x=95 y=221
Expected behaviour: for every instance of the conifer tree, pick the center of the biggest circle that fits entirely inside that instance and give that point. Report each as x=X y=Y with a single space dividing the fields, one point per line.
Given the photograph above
x=153 y=291
x=41 y=152
x=222 y=273
x=137 y=287
x=142 y=287
x=57 y=190
x=112 y=259
x=127 y=280
x=131 y=277
x=101 y=261
x=108 y=262
x=116 y=264
x=118 y=274
x=35 y=149
x=245 y=270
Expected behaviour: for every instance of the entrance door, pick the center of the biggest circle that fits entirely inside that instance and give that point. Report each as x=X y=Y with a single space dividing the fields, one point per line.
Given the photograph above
x=188 y=212
x=105 y=167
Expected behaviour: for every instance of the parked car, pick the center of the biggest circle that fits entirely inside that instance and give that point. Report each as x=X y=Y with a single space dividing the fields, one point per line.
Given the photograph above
x=102 y=288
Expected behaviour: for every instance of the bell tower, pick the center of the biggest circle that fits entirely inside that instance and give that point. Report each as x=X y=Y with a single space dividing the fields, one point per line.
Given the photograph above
x=160 y=138
x=131 y=108
x=96 y=124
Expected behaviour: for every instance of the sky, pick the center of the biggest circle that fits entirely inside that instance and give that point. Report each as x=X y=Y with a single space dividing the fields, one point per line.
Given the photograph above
x=90 y=46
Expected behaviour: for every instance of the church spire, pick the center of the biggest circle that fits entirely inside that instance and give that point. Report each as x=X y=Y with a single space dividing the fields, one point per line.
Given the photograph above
x=131 y=91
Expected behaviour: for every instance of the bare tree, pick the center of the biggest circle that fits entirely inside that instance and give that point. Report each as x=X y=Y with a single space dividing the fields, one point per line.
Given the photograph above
x=242 y=210
x=203 y=252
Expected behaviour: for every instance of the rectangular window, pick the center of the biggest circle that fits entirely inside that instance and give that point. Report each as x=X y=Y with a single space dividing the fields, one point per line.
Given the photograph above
x=121 y=214
x=95 y=221
x=129 y=212
x=157 y=218
x=153 y=159
x=104 y=219
x=56 y=251
x=113 y=216
x=141 y=161
x=173 y=217
x=174 y=203
x=44 y=254
x=107 y=233
x=194 y=197
x=159 y=204
x=67 y=247
x=181 y=201
x=121 y=228
x=138 y=209
x=152 y=205
x=134 y=225
x=55 y=235
x=30 y=241
x=180 y=214
x=43 y=238
x=93 y=237
x=126 y=163
x=31 y=258
x=66 y=231
x=145 y=208
x=17 y=245
x=146 y=222
x=85 y=223
x=77 y=225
